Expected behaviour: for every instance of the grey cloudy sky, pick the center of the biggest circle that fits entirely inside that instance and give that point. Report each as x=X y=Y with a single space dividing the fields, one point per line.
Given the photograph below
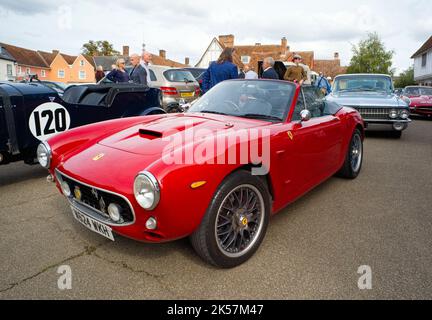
x=185 y=27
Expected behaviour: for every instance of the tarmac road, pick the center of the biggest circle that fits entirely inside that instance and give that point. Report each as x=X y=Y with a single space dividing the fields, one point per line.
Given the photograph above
x=312 y=250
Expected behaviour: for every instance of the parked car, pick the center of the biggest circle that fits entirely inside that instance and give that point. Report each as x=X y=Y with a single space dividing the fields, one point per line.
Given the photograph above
x=420 y=100
x=198 y=74
x=373 y=96
x=119 y=177
x=178 y=86
x=59 y=87
x=33 y=112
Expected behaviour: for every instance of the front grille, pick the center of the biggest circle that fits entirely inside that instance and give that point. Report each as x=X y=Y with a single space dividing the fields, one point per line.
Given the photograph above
x=99 y=200
x=374 y=113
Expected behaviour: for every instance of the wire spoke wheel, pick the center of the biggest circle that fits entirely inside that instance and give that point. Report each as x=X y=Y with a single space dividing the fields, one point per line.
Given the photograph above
x=356 y=153
x=239 y=220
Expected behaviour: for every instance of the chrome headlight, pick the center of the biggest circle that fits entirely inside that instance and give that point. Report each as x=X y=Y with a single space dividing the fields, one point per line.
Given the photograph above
x=146 y=190
x=393 y=114
x=404 y=114
x=44 y=154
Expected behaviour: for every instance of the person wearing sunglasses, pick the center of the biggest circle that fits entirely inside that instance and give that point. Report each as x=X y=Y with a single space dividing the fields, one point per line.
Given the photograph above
x=119 y=75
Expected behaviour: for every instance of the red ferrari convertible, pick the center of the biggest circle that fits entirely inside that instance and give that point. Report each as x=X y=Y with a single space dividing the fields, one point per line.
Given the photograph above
x=241 y=153
x=420 y=100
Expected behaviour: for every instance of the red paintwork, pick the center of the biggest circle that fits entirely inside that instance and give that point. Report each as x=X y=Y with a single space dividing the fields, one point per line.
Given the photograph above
x=421 y=105
x=315 y=153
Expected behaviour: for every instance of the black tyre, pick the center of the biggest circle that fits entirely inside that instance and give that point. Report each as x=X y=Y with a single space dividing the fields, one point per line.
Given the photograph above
x=396 y=134
x=354 y=157
x=236 y=221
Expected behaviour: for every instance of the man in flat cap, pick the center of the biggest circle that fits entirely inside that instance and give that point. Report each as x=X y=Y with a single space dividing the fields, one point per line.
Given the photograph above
x=296 y=73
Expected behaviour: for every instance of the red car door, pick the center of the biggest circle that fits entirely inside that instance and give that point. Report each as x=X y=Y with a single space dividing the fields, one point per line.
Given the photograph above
x=309 y=151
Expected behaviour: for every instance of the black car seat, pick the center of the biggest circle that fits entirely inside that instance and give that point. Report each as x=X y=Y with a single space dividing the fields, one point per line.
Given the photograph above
x=93 y=99
x=74 y=94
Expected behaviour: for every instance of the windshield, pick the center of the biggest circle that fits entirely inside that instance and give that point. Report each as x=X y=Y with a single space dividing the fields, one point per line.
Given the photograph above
x=179 y=75
x=418 y=91
x=255 y=99
x=197 y=73
x=363 y=83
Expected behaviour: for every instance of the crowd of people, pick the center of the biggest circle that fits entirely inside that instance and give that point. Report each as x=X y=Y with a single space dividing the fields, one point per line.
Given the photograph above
x=138 y=74
x=225 y=69
x=218 y=71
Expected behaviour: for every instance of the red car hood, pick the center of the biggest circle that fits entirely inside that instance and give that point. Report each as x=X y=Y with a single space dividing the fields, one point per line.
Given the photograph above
x=151 y=138
x=114 y=162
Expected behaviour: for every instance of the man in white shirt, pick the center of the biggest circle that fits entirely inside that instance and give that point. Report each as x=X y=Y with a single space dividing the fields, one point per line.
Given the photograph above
x=145 y=61
x=249 y=73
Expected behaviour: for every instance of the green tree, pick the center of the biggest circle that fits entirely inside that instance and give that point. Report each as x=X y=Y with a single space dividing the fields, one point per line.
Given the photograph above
x=406 y=78
x=99 y=48
x=371 y=56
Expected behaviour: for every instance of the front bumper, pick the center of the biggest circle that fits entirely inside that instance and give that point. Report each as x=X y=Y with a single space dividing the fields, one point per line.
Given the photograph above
x=398 y=125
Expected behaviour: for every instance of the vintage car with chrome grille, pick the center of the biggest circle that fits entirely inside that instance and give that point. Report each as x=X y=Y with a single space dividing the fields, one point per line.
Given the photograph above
x=34 y=112
x=373 y=96
x=420 y=100
x=242 y=152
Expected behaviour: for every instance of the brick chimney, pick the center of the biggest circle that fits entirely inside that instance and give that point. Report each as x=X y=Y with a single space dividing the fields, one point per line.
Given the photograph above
x=187 y=61
x=126 y=51
x=227 y=40
x=162 y=54
x=284 y=43
x=336 y=55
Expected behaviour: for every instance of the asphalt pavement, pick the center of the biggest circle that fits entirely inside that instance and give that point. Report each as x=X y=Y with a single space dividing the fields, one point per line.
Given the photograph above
x=312 y=250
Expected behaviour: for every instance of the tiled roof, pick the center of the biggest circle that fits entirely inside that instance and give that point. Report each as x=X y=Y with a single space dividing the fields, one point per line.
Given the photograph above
x=5 y=55
x=330 y=68
x=25 y=56
x=159 y=61
x=69 y=59
x=257 y=52
x=425 y=47
x=48 y=56
x=90 y=60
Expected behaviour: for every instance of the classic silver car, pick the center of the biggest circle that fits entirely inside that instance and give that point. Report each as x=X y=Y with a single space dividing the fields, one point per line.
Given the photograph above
x=374 y=97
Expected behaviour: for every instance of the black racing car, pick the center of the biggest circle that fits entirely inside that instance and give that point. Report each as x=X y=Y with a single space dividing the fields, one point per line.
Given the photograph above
x=32 y=112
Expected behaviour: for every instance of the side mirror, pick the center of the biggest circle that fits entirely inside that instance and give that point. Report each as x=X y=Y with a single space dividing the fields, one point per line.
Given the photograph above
x=305 y=115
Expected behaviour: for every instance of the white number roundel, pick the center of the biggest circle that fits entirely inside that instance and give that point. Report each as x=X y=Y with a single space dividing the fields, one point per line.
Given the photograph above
x=48 y=119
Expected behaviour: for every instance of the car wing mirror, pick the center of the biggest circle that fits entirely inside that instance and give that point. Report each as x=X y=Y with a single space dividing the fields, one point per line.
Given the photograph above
x=305 y=115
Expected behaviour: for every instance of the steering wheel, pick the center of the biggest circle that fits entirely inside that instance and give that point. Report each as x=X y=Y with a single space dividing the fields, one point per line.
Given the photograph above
x=235 y=107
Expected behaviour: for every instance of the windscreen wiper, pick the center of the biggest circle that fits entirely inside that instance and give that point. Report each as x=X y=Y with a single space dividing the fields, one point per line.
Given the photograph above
x=214 y=112
x=260 y=116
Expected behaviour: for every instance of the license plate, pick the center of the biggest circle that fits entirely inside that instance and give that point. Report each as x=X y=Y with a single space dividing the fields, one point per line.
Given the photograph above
x=93 y=224
x=187 y=94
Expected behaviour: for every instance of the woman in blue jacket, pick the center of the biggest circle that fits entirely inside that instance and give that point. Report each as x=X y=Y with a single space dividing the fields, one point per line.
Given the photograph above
x=221 y=70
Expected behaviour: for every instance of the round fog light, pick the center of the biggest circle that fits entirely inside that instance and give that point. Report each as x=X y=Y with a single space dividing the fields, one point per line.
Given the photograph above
x=151 y=224
x=66 y=189
x=114 y=211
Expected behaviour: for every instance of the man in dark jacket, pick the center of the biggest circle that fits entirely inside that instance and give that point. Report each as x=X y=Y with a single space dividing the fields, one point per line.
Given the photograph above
x=138 y=74
x=269 y=71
